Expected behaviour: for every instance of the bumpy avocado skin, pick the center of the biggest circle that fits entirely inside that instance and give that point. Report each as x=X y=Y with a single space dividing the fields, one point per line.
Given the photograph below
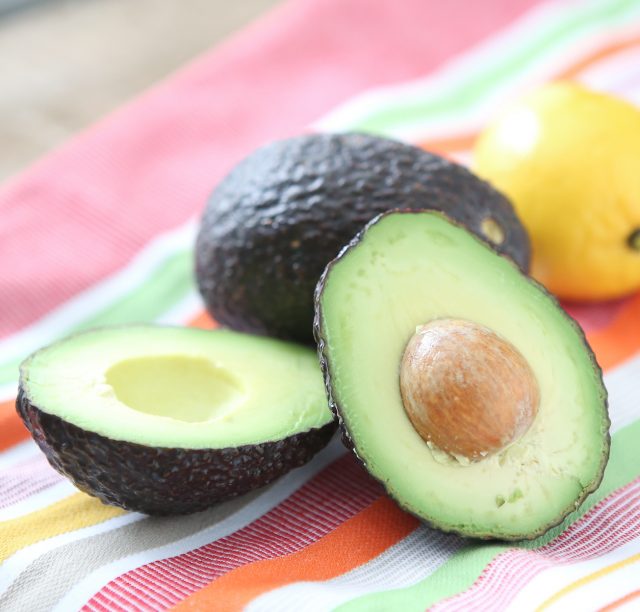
x=351 y=444
x=163 y=481
x=283 y=213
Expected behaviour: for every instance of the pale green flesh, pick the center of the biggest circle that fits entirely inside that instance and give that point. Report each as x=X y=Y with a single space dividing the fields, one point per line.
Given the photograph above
x=409 y=269
x=179 y=387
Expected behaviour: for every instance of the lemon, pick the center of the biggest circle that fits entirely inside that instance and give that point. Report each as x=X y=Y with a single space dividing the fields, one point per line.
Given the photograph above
x=569 y=159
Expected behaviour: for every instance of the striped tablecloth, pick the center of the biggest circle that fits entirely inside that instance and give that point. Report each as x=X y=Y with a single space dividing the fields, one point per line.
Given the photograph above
x=102 y=231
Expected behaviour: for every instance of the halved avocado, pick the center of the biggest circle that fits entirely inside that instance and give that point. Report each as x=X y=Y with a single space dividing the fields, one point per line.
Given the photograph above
x=460 y=383
x=167 y=420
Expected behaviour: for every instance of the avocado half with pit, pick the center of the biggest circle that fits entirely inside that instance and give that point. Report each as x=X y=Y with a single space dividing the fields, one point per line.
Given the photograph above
x=166 y=420
x=283 y=213
x=460 y=383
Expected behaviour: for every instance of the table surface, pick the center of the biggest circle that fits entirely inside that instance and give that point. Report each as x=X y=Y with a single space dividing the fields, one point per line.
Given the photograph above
x=61 y=72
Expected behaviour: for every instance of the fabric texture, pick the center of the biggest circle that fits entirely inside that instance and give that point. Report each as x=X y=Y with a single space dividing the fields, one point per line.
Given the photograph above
x=102 y=231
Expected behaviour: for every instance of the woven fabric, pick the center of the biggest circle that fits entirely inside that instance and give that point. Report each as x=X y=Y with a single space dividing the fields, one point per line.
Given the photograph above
x=102 y=230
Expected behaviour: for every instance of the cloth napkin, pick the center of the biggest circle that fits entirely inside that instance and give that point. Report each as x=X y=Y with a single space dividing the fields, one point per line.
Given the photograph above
x=101 y=232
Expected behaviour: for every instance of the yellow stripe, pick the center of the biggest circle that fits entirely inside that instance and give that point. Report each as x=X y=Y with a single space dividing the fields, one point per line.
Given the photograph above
x=587 y=579
x=73 y=512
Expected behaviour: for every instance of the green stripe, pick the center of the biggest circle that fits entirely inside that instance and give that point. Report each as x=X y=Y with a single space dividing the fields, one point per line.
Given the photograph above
x=464 y=567
x=169 y=283
x=404 y=113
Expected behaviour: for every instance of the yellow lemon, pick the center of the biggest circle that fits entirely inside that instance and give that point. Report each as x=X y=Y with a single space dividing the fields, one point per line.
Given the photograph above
x=569 y=159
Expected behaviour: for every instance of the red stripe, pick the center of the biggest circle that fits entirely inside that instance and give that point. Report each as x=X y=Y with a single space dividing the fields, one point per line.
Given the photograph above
x=336 y=494
x=610 y=524
x=596 y=316
x=151 y=166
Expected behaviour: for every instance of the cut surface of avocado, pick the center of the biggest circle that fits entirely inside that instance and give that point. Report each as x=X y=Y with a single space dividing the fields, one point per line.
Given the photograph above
x=411 y=272
x=167 y=420
x=179 y=388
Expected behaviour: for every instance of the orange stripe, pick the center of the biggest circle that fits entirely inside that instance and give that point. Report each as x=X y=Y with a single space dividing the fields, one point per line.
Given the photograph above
x=203 y=320
x=620 y=602
x=349 y=545
x=587 y=579
x=12 y=430
x=465 y=142
x=447 y=146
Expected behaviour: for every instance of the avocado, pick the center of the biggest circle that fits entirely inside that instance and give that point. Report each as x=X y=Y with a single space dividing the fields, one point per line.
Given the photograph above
x=283 y=213
x=459 y=382
x=166 y=420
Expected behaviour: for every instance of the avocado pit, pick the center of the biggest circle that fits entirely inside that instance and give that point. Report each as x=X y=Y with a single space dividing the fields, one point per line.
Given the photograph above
x=466 y=390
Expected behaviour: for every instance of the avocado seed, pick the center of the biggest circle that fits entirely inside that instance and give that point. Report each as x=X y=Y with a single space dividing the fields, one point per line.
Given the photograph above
x=466 y=390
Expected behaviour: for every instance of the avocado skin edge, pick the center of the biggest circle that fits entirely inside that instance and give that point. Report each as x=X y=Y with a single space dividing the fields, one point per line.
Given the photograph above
x=163 y=481
x=281 y=214
x=349 y=442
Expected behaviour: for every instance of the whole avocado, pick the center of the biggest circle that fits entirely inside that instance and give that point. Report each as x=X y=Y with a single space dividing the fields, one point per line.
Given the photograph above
x=278 y=218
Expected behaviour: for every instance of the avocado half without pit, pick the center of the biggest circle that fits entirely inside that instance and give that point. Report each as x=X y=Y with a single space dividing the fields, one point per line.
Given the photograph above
x=460 y=383
x=166 y=420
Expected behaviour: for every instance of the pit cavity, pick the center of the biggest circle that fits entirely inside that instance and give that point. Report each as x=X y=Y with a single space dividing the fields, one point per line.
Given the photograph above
x=184 y=388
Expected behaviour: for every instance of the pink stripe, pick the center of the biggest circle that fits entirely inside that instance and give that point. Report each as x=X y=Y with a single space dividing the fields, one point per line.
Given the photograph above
x=332 y=497
x=608 y=525
x=96 y=202
x=25 y=479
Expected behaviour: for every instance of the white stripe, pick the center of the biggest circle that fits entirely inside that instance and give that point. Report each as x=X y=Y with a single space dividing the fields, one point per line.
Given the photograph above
x=588 y=597
x=12 y=567
x=622 y=384
x=406 y=563
x=9 y=390
x=617 y=75
x=614 y=71
x=18 y=453
x=85 y=589
x=38 y=501
x=188 y=308
x=87 y=303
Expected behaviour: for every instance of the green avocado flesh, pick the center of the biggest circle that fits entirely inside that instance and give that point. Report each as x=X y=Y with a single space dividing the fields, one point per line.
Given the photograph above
x=405 y=270
x=167 y=420
x=180 y=388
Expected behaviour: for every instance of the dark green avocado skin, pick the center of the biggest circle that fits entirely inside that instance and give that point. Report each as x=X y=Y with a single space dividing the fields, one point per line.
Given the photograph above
x=283 y=213
x=163 y=481
x=350 y=440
